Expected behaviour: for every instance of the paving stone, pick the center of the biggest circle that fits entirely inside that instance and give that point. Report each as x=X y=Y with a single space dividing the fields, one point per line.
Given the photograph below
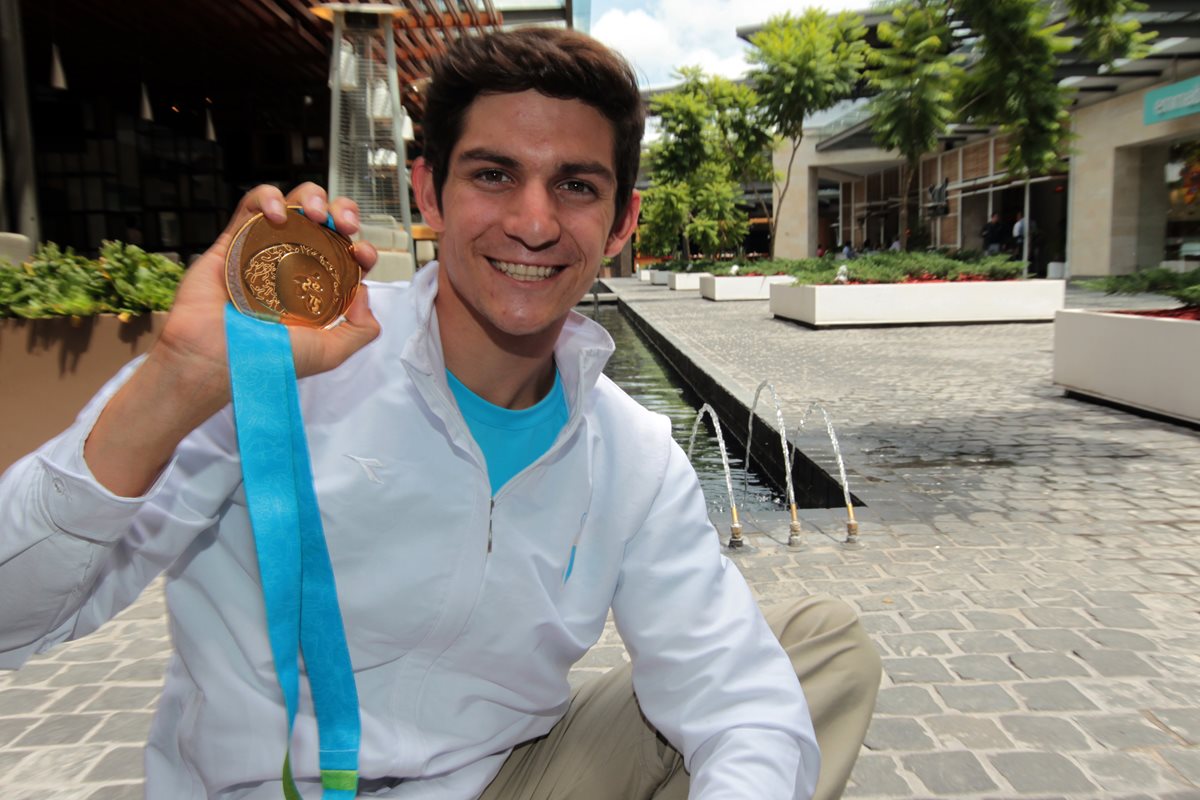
x=932 y=621
x=1186 y=762
x=23 y=701
x=906 y=701
x=1047 y=665
x=916 y=644
x=1056 y=617
x=1125 y=731
x=66 y=764
x=952 y=773
x=1121 y=618
x=1051 y=639
x=976 y=699
x=123 y=727
x=979 y=642
x=73 y=699
x=88 y=672
x=1041 y=772
x=1131 y=772
x=1183 y=722
x=124 y=698
x=59 y=729
x=967 y=732
x=915 y=670
x=1053 y=696
x=1120 y=640
x=888 y=733
x=13 y=727
x=992 y=620
x=118 y=764
x=982 y=668
x=1045 y=733
x=1116 y=663
x=879 y=622
x=877 y=775
x=118 y=791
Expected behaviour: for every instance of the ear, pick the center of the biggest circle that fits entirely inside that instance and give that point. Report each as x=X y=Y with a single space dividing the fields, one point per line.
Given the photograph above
x=625 y=226
x=425 y=193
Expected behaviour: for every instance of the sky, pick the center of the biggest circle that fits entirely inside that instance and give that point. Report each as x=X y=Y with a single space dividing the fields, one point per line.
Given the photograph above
x=659 y=36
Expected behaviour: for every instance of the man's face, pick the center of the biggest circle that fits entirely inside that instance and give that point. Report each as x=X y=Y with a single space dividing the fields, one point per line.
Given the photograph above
x=527 y=211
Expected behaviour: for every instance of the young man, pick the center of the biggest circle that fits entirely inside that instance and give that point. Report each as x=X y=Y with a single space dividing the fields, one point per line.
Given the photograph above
x=513 y=497
x=993 y=235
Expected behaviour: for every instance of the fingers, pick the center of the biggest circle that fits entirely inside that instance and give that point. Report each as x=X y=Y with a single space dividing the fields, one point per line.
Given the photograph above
x=345 y=215
x=365 y=254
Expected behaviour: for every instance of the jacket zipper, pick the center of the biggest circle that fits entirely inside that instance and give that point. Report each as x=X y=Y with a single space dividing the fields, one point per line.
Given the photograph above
x=491 y=513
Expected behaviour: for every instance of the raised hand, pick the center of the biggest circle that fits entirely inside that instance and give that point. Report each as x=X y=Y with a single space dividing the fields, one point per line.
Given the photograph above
x=185 y=378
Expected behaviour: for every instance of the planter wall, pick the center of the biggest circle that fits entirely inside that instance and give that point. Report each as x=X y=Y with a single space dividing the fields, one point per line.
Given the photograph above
x=660 y=277
x=740 y=287
x=1143 y=362
x=50 y=368
x=643 y=275
x=917 y=303
x=686 y=281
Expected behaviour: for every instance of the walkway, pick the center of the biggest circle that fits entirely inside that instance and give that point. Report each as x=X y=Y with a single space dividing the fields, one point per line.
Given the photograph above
x=1031 y=573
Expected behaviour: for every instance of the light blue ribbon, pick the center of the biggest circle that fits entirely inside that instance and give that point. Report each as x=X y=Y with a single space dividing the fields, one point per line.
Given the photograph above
x=293 y=562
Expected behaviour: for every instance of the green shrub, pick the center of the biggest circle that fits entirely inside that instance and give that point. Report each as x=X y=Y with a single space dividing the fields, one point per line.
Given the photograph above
x=886 y=267
x=59 y=283
x=1183 y=286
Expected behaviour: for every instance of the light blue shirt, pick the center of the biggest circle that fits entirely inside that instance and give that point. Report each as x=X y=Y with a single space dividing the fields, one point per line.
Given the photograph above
x=511 y=440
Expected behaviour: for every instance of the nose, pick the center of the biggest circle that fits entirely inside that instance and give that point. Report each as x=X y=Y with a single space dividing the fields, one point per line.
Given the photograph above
x=532 y=217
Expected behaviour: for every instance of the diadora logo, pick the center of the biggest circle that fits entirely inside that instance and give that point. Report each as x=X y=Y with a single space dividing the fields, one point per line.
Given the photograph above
x=369 y=466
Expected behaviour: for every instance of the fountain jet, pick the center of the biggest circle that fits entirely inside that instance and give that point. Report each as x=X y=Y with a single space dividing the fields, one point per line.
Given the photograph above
x=735 y=529
x=794 y=527
x=851 y=541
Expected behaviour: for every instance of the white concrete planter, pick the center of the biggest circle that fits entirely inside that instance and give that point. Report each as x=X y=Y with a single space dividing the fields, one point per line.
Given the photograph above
x=686 y=281
x=1143 y=362
x=740 y=287
x=659 y=277
x=644 y=275
x=916 y=303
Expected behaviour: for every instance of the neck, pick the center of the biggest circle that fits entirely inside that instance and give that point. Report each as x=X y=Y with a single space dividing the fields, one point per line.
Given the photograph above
x=508 y=371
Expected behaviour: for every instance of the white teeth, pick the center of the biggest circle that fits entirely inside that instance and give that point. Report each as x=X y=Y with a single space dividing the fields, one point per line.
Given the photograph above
x=523 y=272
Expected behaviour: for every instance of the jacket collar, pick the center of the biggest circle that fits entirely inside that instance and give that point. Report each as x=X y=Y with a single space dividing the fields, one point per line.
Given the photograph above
x=582 y=350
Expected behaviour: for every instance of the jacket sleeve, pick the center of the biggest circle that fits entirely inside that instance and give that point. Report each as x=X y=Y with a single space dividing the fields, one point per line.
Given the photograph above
x=708 y=672
x=72 y=554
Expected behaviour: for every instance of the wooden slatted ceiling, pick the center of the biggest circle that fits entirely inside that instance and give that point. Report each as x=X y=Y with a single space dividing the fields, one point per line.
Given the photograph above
x=206 y=44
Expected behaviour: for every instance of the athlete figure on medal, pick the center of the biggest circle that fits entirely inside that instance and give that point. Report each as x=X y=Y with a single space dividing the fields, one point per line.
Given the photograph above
x=488 y=498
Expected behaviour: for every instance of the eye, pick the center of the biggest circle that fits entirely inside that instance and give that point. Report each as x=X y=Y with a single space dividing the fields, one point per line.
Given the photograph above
x=573 y=186
x=491 y=176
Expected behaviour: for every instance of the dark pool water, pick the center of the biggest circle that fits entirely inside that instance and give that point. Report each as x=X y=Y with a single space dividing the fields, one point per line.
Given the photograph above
x=645 y=375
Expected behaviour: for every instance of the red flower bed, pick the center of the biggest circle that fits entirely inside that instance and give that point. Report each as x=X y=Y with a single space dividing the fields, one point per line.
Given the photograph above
x=1187 y=312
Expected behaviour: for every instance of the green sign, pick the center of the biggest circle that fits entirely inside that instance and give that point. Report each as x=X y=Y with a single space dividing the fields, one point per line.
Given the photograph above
x=1171 y=102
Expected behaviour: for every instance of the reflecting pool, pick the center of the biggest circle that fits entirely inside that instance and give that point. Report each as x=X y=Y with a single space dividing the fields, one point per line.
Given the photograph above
x=641 y=371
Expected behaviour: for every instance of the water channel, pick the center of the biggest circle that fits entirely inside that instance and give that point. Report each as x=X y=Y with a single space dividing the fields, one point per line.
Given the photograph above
x=648 y=378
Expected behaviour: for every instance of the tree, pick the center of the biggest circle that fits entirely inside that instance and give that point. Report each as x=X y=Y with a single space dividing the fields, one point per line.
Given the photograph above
x=803 y=65
x=915 y=74
x=709 y=138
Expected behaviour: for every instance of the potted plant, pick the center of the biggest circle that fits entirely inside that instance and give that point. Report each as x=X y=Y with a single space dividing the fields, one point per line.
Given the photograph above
x=1141 y=359
x=67 y=324
x=898 y=288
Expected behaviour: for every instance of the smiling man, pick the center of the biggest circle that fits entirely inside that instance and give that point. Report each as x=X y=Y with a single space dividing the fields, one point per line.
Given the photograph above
x=488 y=497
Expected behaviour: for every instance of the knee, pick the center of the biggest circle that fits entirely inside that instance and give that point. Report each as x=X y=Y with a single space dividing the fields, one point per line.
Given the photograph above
x=830 y=625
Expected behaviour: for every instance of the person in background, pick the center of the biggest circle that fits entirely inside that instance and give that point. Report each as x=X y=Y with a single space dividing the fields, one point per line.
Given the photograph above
x=993 y=235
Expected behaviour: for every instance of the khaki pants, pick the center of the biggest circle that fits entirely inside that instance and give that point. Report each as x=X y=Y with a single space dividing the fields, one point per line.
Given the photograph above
x=603 y=749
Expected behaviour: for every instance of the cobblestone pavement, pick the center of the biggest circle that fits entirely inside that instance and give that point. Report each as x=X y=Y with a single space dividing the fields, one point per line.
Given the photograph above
x=1031 y=572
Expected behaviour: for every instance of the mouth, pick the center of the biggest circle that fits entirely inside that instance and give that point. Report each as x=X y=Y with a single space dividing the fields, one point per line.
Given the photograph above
x=524 y=272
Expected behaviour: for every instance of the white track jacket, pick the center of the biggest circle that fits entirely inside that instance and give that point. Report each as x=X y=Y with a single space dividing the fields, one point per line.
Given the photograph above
x=461 y=628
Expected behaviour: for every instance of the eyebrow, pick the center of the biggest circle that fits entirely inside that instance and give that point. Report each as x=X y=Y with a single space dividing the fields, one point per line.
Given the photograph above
x=567 y=168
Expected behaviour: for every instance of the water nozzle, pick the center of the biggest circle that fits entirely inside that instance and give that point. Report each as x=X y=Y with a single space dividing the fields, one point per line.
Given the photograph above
x=851 y=542
x=794 y=532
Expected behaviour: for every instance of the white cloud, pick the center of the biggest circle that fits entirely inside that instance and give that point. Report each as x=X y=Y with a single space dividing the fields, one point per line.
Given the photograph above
x=668 y=34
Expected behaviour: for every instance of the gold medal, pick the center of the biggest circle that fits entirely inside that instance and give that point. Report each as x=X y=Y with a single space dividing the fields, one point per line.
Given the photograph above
x=298 y=272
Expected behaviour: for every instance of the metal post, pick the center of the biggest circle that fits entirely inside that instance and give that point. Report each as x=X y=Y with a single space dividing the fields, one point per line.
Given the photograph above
x=18 y=139
x=335 y=105
x=1025 y=231
x=398 y=114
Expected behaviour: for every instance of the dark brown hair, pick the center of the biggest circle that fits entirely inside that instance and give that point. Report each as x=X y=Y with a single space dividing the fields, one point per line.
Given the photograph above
x=557 y=62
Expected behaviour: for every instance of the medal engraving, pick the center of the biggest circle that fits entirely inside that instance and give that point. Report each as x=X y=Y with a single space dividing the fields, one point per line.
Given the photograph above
x=300 y=273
